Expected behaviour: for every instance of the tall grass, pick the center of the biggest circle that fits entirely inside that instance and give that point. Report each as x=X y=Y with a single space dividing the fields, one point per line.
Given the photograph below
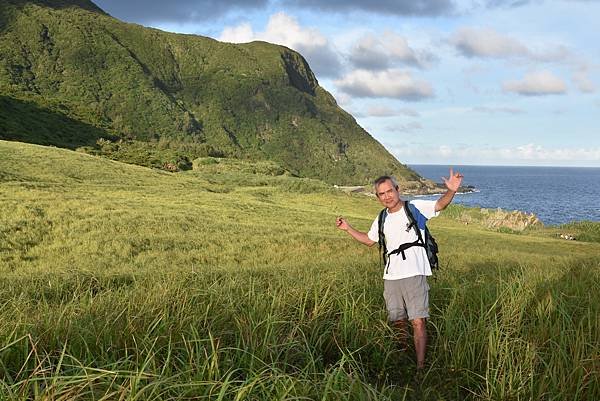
x=119 y=282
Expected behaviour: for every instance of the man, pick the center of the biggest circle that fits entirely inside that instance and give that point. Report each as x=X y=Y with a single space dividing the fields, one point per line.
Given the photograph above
x=406 y=291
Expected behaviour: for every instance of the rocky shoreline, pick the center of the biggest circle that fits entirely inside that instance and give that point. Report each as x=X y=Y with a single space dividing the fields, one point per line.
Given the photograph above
x=407 y=189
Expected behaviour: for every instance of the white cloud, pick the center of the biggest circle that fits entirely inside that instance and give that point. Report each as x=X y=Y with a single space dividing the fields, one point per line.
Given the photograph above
x=527 y=154
x=390 y=49
x=369 y=54
x=238 y=34
x=488 y=43
x=391 y=83
x=285 y=30
x=537 y=83
x=474 y=42
x=534 y=152
x=399 y=48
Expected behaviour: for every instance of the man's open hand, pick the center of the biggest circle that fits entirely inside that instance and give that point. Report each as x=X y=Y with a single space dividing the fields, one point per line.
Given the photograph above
x=454 y=181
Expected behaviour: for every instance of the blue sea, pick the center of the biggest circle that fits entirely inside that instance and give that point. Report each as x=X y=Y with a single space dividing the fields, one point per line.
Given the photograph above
x=556 y=195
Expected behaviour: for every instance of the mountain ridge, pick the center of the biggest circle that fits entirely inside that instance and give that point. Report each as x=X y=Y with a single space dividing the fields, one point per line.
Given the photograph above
x=129 y=84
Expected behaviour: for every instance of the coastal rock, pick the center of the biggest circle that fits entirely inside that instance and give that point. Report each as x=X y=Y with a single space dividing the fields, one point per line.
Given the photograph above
x=513 y=220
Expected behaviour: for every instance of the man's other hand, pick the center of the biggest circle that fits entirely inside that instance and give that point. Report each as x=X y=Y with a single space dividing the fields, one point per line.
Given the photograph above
x=341 y=223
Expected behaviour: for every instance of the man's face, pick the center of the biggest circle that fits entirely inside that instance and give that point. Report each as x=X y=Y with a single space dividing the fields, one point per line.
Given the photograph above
x=388 y=195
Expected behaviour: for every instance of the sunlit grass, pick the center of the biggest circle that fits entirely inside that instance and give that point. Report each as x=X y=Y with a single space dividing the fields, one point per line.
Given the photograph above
x=120 y=282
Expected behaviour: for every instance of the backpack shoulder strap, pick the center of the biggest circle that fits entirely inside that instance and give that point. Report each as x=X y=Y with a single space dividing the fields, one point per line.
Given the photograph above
x=381 y=235
x=413 y=222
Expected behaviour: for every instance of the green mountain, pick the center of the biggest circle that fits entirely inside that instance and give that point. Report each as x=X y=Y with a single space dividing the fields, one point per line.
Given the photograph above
x=73 y=76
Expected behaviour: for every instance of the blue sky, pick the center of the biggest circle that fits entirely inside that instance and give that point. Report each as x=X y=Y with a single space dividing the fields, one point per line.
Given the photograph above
x=490 y=82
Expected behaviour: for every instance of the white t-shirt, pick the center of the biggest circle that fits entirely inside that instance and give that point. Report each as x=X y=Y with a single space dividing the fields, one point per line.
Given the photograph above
x=394 y=228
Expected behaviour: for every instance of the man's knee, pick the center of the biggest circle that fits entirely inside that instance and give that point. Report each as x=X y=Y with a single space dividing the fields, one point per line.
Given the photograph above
x=419 y=323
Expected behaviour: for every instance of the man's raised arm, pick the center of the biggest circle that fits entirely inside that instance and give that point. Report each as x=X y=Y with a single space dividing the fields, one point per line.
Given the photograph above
x=361 y=237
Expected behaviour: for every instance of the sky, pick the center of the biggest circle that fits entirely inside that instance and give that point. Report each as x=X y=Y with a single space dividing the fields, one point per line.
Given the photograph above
x=479 y=82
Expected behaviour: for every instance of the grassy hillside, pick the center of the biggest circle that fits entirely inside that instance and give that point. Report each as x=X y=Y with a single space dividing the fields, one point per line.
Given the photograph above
x=71 y=75
x=231 y=282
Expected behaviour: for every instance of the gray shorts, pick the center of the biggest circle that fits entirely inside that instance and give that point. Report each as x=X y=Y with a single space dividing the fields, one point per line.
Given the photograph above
x=406 y=298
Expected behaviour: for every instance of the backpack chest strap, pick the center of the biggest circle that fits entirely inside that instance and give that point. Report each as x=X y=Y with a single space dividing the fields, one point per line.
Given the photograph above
x=400 y=251
x=404 y=247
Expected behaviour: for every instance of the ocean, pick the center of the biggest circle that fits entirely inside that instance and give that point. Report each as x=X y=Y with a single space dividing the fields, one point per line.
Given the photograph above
x=556 y=195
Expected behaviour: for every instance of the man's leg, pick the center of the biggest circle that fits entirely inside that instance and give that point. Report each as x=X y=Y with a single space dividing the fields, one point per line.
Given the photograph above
x=396 y=311
x=416 y=292
x=401 y=327
x=420 y=338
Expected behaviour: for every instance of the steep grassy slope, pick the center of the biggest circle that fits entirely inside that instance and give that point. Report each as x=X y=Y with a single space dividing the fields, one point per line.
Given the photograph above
x=122 y=282
x=70 y=74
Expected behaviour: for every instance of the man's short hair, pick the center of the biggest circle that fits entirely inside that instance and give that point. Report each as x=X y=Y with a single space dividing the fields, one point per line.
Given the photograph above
x=383 y=179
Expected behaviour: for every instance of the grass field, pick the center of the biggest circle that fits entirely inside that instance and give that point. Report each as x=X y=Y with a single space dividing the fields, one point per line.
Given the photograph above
x=230 y=282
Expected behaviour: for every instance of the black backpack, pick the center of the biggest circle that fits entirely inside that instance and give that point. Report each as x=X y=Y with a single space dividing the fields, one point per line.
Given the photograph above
x=418 y=224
